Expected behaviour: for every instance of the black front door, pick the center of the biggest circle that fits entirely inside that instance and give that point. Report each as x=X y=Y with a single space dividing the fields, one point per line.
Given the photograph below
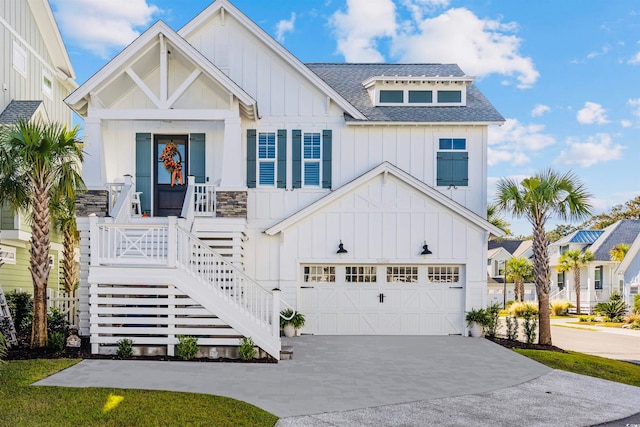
x=170 y=174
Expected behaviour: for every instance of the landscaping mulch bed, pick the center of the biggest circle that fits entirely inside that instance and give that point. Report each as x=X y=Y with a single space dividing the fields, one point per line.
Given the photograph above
x=523 y=345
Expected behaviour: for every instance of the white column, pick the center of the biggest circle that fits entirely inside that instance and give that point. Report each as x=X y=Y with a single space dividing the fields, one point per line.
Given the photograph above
x=275 y=314
x=232 y=158
x=172 y=242
x=93 y=165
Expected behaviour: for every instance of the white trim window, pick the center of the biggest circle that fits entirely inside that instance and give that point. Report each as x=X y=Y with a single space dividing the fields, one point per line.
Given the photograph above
x=312 y=160
x=267 y=164
x=402 y=273
x=360 y=273
x=443 y=274
x=47 y=83
x=319 y=273
x=8 y=255
x=19 y=58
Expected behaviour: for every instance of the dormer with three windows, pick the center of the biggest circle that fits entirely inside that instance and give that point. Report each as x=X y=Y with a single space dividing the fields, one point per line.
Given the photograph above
x=418 y=91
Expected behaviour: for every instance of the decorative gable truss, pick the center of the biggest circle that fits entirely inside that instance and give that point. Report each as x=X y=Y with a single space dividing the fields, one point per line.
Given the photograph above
x=161 y=76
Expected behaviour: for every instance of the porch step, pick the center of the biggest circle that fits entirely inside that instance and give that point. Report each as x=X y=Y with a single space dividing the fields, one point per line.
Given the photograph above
x=286 y=353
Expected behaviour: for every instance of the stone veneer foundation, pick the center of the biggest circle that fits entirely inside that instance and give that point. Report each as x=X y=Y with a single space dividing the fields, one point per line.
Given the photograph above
x=92 y=202
x=231 y=204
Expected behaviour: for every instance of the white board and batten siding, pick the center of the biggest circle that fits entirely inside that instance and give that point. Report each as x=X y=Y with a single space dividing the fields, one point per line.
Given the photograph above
x=383 y=223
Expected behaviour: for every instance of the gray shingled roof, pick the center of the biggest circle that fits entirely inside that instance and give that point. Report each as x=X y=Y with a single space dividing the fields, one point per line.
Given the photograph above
x=626 y=232
x=347 y=80
x=17 y=110
x=509 y=245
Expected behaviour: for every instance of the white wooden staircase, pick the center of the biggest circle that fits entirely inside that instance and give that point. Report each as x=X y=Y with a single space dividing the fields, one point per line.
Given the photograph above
x=151 y=280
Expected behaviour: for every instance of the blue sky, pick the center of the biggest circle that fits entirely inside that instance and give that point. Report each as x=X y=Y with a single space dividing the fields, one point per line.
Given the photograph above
x=565 y=74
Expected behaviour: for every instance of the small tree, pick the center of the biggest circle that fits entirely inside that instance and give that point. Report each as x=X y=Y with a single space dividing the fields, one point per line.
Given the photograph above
x=618 y=252
x=518 y=271
x=573 y=260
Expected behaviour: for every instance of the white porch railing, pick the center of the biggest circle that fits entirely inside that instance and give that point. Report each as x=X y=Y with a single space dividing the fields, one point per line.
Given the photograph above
x=200 y=200
x=114 y=188
x=129 y=244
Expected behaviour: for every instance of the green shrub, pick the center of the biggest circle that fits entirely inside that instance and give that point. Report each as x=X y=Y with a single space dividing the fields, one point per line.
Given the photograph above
x=634 y=325
x=57 y=341
x=530 y=324
x=613 y=310
x=3 y=347
x=512 y=327
x=478 y=316
x=560 y=308
x=21 y=308
x=187 y=347
x=247 y=350
x=288 y=316
x=125 y=348
x=57 y=322
x=636 y=304
x=519 y=308
x=585 y=318
x=493 y=319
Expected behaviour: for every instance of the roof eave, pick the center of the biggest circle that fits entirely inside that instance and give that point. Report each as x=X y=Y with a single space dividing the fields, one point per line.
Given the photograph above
x=419 y=123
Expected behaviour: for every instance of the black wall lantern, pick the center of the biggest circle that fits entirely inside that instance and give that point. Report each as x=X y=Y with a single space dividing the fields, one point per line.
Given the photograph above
x=425 y=249
x=341 y=249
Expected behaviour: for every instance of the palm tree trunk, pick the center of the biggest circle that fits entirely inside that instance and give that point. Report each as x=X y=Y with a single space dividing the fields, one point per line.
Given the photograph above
x=39 y=264
x=576 y=285
x=541 y=272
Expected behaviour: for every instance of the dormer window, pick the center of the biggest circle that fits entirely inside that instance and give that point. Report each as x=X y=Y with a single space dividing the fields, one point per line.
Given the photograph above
x=418 y=91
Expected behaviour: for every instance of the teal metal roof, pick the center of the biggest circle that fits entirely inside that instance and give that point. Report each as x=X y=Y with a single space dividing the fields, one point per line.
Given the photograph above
x=586 y=236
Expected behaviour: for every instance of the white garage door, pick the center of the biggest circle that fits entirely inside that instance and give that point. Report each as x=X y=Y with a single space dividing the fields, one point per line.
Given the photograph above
x=382 y=299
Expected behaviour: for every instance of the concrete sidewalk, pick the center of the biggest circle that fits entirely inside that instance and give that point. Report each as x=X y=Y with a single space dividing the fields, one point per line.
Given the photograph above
x=349 y=380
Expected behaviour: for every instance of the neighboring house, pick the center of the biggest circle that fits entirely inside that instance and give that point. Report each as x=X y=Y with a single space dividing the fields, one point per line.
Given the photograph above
x=36 y=75
x=628 y=272
x=600 y=277
x=498 y=254
x=357 y=190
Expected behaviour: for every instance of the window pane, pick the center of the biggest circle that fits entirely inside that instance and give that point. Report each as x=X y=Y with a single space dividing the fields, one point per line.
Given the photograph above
x=312 y=146
x=418 y=96
x=312 y=173
x=393 y=96
x=319 y=273
x=402 y=273
x=449 y=96
x=266 y=173
x=443 y=274
x=355 y=274
x=446 y=143
x=459 y=144
x=267 y=146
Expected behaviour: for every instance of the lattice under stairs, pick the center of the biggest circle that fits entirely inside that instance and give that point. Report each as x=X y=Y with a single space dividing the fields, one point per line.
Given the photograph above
x=7 y=327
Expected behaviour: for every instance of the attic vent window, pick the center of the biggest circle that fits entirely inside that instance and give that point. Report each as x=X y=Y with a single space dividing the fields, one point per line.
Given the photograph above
x=47 y=84
x=391 y=96
x=420 y=96
x=416 y=91
x=449 y=96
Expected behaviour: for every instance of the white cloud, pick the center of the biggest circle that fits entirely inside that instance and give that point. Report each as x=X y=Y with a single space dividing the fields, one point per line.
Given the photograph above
x=285 y=26
x=480 y=46
x=539 y=110
x=598 y=148
x=359 y=28
x=625 y=123
x=101 y=26
x=419 y=7
x=635 y=59
x=592 y=113
x=499 y=156
x=601 y=52
x=526 y=137
x=635 y=105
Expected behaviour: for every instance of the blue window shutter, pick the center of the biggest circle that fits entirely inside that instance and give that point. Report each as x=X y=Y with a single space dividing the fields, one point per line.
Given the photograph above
x=251 y=158
x=144 y=161
x=452 y=169
x=326 y=158
x=197 y=157
x=296 y=139
x=282 y=158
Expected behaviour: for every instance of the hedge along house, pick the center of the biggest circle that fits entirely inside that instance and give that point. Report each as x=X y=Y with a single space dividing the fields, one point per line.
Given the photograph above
x=355 y=193
x=35 y=75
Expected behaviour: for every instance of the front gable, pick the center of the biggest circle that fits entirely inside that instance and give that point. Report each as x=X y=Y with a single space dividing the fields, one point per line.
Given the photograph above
x=160 y=71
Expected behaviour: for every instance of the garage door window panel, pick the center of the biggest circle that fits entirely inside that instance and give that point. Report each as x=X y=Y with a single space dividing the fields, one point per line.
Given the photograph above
x=319 y=273
x=402 y=274
x=443 y=274
x=360 y=274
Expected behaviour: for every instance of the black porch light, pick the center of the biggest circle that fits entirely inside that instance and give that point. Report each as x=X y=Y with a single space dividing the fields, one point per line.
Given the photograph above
x=341 y=249
x=425 y=249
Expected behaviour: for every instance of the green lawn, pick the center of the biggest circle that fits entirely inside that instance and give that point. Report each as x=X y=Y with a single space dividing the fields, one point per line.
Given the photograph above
x=23 y=405
x=594 y=366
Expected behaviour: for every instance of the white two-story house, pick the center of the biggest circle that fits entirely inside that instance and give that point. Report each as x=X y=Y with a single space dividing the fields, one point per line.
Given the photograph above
x=228 y=181
x=35 y=77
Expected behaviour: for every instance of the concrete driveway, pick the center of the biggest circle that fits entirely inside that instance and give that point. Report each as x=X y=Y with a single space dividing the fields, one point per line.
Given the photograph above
x=614 y=343
x=409 y=381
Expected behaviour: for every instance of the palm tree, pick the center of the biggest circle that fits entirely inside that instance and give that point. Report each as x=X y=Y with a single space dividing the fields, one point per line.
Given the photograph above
x=493 y=216
x=618 y=252
x=63 y=212
x=538 y=198
x=38 y=161
x=573 y=260
x=518 y=271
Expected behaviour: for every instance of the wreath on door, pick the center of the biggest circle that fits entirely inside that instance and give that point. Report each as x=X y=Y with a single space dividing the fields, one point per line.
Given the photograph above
x=171 y=164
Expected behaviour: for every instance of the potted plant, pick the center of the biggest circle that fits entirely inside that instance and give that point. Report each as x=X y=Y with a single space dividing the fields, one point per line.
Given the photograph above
x=477 y=320
x=291 y=321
